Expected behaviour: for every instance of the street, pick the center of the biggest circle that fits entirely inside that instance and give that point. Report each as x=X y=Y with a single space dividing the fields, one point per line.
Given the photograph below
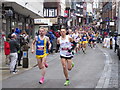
x=86 y=73
x=32 y=29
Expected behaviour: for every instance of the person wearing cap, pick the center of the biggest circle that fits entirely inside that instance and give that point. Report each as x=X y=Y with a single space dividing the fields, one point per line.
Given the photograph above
x=14 y=46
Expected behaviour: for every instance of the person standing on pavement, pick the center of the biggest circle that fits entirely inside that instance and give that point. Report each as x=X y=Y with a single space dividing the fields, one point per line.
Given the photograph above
x=65 y=42
x=51 y=37
x=7 y=51
x=20 y=39
x=41 y=51
x=14 y=46
x=25 y=36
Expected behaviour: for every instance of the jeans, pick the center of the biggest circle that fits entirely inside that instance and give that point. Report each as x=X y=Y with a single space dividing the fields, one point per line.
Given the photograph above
x=13 y=61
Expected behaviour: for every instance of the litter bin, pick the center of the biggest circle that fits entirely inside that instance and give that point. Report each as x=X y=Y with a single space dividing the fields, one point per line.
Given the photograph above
x=25 y=49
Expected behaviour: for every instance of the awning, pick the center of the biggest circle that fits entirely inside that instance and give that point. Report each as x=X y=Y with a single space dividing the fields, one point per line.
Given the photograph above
x=21 y=10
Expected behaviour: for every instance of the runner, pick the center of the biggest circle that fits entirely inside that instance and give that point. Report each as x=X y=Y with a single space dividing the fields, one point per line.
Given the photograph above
x=41 y=51
x=93 y=40
x=76 y=39
x=70 y=33
x=84 y=42
x=66 y=47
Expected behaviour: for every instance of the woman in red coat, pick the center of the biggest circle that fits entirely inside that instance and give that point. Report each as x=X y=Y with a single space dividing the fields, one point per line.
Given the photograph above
x=7 y=51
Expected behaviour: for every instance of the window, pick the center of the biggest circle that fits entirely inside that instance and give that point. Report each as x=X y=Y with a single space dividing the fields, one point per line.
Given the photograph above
x=45 y=13
x=50 y=12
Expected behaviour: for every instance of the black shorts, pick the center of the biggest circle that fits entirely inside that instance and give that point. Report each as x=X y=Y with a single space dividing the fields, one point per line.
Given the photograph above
x=93 y=41
x=66 y=57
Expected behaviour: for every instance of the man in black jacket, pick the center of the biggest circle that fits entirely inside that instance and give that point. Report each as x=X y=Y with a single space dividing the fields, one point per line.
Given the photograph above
x=14 y=46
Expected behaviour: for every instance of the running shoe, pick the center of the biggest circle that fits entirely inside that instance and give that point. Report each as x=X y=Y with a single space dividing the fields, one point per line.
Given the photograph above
x=46 y=65
x=73 y=64
x=41 y=80
x=67 y=82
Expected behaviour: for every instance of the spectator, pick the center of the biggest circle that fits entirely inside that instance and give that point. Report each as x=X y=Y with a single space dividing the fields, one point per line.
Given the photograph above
x=7 y=51
x=14 y=46
x=57 y=34
x=51 y=37
x=25 y=36
x=106 y=42
x=21 y=41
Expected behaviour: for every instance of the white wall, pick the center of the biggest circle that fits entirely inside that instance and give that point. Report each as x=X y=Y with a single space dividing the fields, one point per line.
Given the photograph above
x=63 y=6
x=32 y=5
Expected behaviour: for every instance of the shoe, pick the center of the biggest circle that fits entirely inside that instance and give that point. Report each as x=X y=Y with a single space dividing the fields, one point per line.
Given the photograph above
x=7 y=65
x=73 y=64
x=73 y=53
x=41 y=80
x=14 y=72
x=19 y=64
x=67 y=82
x=46 y=65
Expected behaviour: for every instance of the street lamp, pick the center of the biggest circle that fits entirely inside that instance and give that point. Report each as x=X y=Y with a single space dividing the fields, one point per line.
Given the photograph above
x=10 y=14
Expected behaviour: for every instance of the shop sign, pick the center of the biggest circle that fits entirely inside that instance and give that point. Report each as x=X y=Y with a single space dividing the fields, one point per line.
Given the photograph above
x=112 y=23
x=66 y=13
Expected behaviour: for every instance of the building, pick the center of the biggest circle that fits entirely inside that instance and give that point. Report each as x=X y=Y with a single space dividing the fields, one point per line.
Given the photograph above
x=76 y=14
x=53 y=15
x=0 y=15
x=108 y=16
x=21 y=15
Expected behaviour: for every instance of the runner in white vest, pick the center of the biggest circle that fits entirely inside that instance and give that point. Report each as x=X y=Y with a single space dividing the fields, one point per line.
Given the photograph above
x=66 y=44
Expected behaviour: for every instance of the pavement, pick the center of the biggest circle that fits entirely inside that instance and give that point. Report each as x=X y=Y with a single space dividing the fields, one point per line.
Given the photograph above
x=109 y=78
x=5 y=68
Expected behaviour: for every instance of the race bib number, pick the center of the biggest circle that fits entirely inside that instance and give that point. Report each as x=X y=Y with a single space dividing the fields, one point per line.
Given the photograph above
x=40 y=47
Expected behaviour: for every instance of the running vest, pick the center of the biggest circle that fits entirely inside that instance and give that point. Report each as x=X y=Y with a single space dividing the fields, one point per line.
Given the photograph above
x=76 y=37
x=41 y=46
x=93 y=37
x=84 y=38
x=65 y=45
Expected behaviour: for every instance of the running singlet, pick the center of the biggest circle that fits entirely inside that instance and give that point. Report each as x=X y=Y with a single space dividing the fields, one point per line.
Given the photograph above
x=65 y=45
x=76 y=37
x=84 y=38
x=41 y=47
x=93 y=37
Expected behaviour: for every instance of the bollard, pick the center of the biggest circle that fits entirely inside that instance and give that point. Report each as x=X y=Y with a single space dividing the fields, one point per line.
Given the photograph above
x=111 y=46
x=25 y=56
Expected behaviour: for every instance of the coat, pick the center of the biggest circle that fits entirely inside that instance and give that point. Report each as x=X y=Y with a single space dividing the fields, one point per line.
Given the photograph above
x=6 y=48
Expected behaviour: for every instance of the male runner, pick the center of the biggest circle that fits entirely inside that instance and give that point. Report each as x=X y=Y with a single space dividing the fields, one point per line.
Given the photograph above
x=66 y=46
x=41 y=51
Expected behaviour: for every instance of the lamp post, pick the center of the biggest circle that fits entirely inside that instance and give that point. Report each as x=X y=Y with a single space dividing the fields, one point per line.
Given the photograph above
x=10 y=14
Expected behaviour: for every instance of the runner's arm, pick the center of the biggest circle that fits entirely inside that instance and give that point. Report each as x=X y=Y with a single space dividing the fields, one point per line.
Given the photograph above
x=48 y=40
x=58 y=42
x=73 y=44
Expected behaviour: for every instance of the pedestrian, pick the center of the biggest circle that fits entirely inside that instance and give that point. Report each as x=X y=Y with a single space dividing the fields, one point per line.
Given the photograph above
x=66 y=47
x=7 y=51
x=76 y=39
x=14 y=46
x=57 y=34
x=41 y=51
x=51 y=37
x=25 y=36
x=20 y=39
